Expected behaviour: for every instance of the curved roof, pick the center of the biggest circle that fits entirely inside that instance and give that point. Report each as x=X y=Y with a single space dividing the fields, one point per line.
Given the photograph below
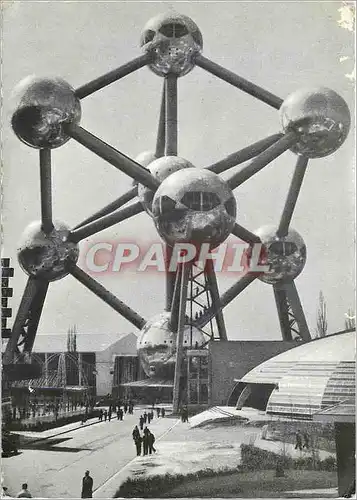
x=309 y=377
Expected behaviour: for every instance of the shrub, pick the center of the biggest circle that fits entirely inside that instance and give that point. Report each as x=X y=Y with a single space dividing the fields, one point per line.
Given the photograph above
x=253 y=458
x=40 y=426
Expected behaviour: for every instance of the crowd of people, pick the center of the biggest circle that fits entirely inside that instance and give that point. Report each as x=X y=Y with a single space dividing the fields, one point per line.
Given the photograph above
x=117 y=410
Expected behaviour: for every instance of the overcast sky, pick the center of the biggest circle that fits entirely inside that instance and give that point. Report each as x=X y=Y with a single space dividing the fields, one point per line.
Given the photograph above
x=281 y=46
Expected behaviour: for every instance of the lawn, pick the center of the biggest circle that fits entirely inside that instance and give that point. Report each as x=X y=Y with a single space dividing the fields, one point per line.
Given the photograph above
x=259 y=484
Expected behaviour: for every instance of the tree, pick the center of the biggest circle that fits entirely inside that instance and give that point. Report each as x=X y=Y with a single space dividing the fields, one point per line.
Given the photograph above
x=72 y=339
x=321 y=329
x=350 y=320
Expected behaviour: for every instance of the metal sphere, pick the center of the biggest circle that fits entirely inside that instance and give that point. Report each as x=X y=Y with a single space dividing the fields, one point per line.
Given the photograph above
x=47 y=256
x=160 y=168
x=286 y=256
x=156 y=346
x=194 y=206
x=320 y=116
x=174 y=40
x=144 y=159
x=42 y=107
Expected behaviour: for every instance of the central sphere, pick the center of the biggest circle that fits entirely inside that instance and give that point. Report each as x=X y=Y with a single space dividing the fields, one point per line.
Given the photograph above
x=47 y=256
x=285 y=255
x=194 y=206
x=160 y=169
x=173 y=40
x=156 y=346
x=43 y=107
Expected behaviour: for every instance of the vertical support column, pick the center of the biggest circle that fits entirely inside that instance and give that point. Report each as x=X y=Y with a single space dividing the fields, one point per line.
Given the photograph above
x=46 y=369
x=295 y=304
x=179 y=346
x=283 y=311
x=213 y=287
x=188 y=379
x=80 y=367
x=199 y=381
x=209 y=376
x=170 y=278
x=171 y=115
x=160 y=141
x=345 y=438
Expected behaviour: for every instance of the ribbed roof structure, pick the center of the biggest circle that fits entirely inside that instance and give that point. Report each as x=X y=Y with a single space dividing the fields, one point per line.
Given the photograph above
x=309 y=378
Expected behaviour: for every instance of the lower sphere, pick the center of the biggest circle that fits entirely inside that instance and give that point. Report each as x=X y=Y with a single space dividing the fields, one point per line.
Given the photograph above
x=156 y=346
x=47 y=256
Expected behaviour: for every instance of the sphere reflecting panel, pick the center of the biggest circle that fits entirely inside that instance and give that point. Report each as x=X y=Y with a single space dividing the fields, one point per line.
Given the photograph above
x=320 y=116
x=47 y=256
x=43 y=107
x=160 y=168
x=194 y=206
x=156 y=346
x=285 y=256
x=173 y=40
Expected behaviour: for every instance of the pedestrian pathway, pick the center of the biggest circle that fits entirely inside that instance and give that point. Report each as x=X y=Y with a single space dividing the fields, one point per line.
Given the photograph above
x=160 y=427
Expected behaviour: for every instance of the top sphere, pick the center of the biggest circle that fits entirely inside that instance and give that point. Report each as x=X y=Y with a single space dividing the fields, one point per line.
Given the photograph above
x=173 y=40
x=320 y=116
x=42 y=107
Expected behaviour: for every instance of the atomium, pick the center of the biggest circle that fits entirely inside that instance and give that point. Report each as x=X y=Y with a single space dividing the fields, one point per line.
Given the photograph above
x=157 y=345
x=47 y=256
x=194 y=206
x=173 y=40
x=43 y=106
x=187 y=204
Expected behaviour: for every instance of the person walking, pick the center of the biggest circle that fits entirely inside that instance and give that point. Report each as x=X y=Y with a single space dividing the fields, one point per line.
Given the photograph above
x=125 y=407
x=141 y=422
x=105 y=415
x=162 y=412
x=145 y=417
x=118 y=414
x=138 y=442
x=135 y=432
x=149 y=417
x=298 y=441
x=158 y=412
x=87 y=485
x=306 y=440
x=151 y=441
x=100 y=415
x=121 y=413
x=24 y=493
x=109 y=414
x=146 y=441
